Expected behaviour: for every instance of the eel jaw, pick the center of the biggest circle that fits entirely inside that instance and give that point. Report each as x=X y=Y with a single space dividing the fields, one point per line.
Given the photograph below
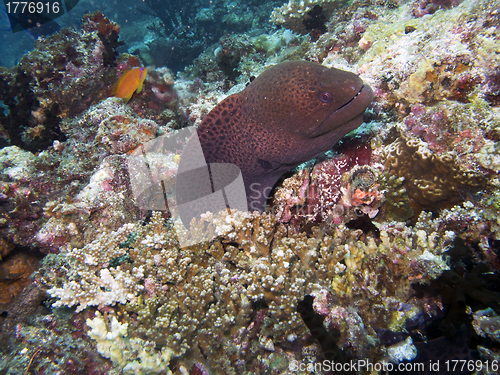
x=347 y=112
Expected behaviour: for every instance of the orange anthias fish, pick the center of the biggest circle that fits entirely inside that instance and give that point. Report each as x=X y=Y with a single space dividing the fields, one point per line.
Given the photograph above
x=130 y=81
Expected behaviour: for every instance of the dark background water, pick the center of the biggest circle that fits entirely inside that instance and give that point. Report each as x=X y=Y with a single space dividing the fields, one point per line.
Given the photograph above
x=173 y=31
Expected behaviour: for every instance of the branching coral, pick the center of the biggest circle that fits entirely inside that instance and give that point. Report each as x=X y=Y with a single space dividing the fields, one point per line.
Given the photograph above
x=134 y=356
x=100 y=286
x=232 y=304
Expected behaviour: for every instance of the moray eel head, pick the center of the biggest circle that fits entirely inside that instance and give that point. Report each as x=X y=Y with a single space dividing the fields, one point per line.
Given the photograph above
x=308 y=99
x=291 y=113
x=299 y=110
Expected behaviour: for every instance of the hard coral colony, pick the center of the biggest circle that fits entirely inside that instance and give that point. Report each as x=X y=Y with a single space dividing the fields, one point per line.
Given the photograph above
x=383 y=248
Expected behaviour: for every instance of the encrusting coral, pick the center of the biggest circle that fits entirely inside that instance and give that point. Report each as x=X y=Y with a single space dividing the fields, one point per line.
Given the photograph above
x=431 y=180
x=232 y=304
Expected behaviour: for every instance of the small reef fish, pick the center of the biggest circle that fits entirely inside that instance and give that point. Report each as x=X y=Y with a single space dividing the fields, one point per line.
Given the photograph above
x=130 y=81
x=291 y=113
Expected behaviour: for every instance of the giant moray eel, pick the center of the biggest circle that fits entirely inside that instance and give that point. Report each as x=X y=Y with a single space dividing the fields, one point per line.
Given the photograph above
x=291 y=113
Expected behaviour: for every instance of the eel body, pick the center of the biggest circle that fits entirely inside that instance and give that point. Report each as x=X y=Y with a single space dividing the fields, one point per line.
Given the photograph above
x=291 y=113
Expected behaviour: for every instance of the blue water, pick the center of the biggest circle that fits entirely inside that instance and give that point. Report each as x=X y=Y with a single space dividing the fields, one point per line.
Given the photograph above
x=175 y=25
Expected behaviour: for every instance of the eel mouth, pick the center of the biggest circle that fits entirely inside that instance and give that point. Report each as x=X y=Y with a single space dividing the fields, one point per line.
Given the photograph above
x=350 y=101
x=348 y=111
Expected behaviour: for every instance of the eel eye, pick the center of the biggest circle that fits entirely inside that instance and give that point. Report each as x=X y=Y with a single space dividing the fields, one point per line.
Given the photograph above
x=325 y=97
x=264 y=164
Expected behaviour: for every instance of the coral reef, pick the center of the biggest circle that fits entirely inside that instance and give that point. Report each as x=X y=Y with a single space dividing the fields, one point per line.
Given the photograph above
x=190 y=27
x=431 y=181
x=445 y=55
x=242 y=291
x=305 y=15
x=386 y=248
x=489 y=156
x=62 y=76
x=467 y=126
x=26 y=123
x=72 y=180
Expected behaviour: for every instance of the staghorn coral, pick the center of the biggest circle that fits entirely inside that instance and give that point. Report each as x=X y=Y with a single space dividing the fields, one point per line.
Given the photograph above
x=231 y=305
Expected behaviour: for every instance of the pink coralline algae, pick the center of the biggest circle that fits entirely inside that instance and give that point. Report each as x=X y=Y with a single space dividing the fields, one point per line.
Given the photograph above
x=450 y=127
x=335 y=190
